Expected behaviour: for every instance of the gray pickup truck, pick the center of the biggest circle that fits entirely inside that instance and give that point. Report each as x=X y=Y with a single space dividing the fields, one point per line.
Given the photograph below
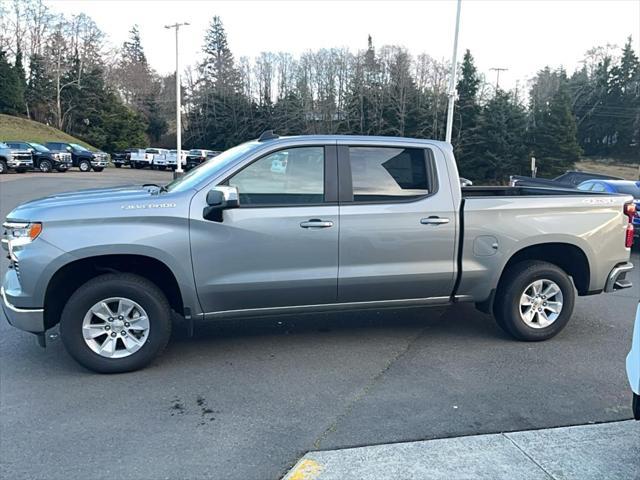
x=298 y=224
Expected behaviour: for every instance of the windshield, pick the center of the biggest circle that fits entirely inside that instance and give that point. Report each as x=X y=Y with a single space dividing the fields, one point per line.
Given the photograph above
x=79 y=147
x=38 y=147
x=629 y=189
x=209 y=168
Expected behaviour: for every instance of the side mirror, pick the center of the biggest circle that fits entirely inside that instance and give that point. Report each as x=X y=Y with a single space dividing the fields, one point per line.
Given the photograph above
x=220 y=198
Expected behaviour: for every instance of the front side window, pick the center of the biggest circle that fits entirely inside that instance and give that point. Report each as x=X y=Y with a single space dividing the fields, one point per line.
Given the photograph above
x=598 y=187
x=294 y=176
x=389 y=174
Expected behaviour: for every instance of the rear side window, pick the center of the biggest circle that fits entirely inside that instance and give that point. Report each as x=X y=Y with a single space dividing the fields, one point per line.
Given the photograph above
x=383 y=174
x=598 y=187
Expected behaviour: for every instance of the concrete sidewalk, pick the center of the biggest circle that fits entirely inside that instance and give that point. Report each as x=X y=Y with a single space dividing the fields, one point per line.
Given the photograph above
x=603 y=451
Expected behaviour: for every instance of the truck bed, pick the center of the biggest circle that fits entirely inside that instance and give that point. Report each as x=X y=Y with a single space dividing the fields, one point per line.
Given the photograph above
x=498 y=191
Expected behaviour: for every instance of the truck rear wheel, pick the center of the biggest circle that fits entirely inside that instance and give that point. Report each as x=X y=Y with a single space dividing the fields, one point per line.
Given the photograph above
x=98 y=169
x=534 y=301
x=116 y=323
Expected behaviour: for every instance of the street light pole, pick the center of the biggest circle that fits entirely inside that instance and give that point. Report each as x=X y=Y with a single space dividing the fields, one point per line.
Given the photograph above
x=452 y=79
x=178 y=103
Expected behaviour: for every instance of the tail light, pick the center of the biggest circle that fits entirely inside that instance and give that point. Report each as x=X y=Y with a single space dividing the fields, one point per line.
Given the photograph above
x=630 y=212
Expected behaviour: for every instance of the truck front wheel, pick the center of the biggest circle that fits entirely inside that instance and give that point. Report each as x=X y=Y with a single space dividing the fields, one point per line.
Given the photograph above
x=116 y=323
x=534 y=301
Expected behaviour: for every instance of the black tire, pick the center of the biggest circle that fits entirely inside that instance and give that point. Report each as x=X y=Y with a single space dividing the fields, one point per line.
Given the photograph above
x=62 y=169
x=137 y=166
x=3 y=167
x=126 y=285
x=635 y=406
x=45 y=166
x=84 y=166
x=513 y=284
x=118 y=165
x=21 y=170
x=98 y=169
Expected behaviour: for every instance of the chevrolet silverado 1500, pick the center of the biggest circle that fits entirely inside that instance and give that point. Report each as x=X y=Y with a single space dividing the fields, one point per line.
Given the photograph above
x=344 y=223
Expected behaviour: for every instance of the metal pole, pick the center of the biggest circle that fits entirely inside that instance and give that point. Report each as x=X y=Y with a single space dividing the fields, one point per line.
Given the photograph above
x=178 y=109
x=178 y=104
x=452 y=80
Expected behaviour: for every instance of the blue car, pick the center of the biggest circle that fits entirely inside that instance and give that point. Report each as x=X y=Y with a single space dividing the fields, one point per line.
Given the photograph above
x=627 y=187
x=633 y=367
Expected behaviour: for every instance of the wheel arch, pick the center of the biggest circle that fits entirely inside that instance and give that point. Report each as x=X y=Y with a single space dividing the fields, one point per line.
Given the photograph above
x=71 y=276
x=569 y=257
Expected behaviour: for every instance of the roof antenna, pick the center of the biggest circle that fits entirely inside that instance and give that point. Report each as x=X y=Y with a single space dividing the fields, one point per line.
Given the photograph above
x=267 y=135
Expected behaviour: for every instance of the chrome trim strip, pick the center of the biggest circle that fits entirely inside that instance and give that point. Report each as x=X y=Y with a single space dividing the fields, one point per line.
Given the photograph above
x=17 y=309
x=618 y=270
x=335 y=306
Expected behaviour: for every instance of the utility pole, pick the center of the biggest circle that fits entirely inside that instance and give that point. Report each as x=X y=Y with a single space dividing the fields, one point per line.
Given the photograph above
x=498 y=70
x=178 y=171
x=452 y=78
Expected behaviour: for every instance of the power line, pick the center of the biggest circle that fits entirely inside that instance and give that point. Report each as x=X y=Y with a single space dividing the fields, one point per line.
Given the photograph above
x=498 y=70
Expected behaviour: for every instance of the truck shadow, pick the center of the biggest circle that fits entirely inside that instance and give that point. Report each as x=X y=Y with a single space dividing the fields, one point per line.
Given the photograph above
x=455 y=321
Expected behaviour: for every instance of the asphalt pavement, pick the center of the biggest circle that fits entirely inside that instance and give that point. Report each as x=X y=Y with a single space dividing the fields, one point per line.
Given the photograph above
x=245 y=399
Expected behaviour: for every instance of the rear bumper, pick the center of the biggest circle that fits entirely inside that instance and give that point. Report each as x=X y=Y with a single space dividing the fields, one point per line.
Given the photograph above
x=617 y=279
x=27 y=319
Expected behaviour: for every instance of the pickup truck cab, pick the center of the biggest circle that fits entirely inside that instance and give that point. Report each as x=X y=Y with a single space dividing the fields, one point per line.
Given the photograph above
x=347 y=222
x=14 y=159
x=82 y=158
x=44 y=159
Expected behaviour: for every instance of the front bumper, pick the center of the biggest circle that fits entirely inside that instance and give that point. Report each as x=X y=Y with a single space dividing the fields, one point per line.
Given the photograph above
x=20 y=164
x=99 y=163
x=27 y=319
x=633 y=359
x=617 y=279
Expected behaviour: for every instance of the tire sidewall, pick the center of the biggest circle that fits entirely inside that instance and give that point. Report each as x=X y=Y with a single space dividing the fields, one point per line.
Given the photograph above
x=84 y=169
x=515 y=287
x=150 y=299
x=45 y=166
x=3 y=167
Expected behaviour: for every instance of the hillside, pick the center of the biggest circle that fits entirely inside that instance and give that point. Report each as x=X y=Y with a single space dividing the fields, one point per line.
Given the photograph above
x=626 y=171
x=16 y=128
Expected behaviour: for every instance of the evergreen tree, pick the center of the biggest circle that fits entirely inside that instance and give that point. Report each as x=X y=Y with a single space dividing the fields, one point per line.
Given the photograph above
x=10 y=98
x=21 y=83
x=467 y=113
x=502 y=149
x=624 y=103
x=553 y=136
x=40 y=90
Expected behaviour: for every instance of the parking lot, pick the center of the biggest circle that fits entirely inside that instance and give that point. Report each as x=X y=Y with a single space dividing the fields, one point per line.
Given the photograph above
x=245 y=399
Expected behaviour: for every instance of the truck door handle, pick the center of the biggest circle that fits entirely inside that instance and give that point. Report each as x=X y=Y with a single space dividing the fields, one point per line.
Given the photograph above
x=434 y=221
x=316 y=223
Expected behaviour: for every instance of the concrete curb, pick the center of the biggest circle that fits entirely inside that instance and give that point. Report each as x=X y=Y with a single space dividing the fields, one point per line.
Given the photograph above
x=608 y=450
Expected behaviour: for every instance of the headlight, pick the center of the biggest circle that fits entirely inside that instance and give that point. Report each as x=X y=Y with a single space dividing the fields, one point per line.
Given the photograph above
x=18 y=234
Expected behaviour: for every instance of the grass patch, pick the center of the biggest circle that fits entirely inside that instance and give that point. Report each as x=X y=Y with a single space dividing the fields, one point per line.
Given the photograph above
x=624 y=170
x=17 y=128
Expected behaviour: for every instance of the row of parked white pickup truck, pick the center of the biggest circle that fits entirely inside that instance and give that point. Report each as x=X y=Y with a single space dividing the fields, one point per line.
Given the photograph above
x=161 y=158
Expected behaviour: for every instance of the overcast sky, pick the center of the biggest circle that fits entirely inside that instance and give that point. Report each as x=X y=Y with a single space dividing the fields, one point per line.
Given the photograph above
x=520 y=35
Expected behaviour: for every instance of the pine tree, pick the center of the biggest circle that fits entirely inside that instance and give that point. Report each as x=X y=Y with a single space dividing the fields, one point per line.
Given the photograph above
x=502 y=150
x=21 y=83
x=10 y=98
x=40 y=91
x=624 y=103
x=467 y=112
x=553 y=136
